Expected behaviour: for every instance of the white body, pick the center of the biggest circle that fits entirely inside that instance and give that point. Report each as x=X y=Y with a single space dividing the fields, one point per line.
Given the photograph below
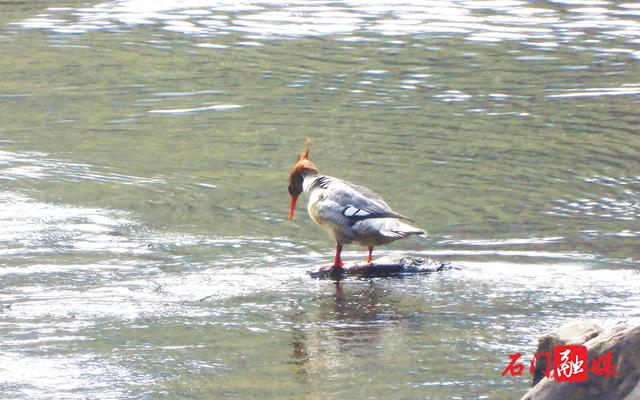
x=352 y=213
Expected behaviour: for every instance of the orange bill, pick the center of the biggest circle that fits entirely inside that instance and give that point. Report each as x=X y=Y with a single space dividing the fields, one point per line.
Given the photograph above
x=293 y=206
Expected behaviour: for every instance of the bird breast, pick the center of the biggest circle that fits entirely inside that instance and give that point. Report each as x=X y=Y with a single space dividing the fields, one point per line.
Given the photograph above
x=314 y=200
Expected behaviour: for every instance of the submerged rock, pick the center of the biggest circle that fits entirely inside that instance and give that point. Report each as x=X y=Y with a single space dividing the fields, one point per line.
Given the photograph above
x=622 y=342
x=384 y=266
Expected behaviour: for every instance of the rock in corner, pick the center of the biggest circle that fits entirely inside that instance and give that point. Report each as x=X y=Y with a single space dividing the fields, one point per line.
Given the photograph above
x=622 y=342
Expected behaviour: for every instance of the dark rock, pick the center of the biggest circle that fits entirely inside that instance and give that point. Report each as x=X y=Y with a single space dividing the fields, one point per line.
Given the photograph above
x=572 y=333
x=384 y=267
x=623 y=342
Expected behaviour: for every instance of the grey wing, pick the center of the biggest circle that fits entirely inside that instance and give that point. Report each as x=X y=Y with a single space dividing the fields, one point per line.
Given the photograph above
x=370 y=194
x=360 y=203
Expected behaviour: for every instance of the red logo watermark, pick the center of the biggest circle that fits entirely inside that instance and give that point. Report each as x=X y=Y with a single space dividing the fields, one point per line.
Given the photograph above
x=570 y=364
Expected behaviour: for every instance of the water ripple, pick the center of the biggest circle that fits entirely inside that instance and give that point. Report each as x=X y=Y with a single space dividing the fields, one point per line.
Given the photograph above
x=39 y=166
x=624 y=90
x=31 y=227
x=218 y=107
x=487 y=21
x=622 y=201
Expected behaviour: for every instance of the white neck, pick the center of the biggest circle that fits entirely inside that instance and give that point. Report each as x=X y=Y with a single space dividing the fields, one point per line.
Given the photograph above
x=308 y=180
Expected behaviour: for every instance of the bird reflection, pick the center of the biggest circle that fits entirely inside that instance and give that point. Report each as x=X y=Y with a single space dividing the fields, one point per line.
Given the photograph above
x=351 y=321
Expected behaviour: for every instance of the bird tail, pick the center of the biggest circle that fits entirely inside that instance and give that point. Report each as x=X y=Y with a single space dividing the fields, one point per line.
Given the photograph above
x=402 y=230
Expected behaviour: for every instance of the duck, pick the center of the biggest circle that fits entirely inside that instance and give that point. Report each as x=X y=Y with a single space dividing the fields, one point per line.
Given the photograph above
x=350 y=213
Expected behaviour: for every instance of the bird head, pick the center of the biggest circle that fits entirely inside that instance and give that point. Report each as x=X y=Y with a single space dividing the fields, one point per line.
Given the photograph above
x=301 y=168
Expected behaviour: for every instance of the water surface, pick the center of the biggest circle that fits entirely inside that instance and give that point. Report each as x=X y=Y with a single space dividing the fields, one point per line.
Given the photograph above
x=144 y=151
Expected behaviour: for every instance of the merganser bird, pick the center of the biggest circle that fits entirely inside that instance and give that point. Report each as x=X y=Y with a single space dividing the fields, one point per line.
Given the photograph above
x=349 y=213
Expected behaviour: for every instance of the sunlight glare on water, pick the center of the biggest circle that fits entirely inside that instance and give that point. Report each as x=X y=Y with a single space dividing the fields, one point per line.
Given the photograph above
x=507 y=20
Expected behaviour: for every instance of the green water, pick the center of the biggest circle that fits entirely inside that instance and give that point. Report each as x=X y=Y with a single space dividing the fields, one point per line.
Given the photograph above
x=144 y=153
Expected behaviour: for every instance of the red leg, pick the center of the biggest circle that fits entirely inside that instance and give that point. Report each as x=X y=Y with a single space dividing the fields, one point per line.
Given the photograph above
x=369 y=259
x=337 y=262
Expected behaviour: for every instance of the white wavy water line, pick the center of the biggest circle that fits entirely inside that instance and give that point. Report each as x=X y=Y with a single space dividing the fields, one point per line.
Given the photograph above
x=219 y=107
x=595 y=92
x=506 y=19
